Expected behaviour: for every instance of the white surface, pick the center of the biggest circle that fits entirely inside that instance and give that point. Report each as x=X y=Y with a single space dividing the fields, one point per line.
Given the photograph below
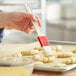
x=14 y=36
x=53 y=12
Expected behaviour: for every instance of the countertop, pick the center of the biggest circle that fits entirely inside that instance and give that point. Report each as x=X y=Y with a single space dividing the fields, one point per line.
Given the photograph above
x=49 y=73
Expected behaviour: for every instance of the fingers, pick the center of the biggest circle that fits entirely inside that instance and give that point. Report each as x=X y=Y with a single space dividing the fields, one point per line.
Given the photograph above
x=28 y=31
x=25 y=23
x=28 y=27
x=38 y=20
x=21 y=15
x=30 y=16
x=31 y=27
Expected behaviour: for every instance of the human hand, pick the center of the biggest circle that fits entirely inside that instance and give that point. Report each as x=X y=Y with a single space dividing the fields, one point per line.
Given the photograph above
x=19 y=20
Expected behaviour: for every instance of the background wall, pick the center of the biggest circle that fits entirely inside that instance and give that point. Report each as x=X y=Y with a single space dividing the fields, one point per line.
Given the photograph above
x=58 y=19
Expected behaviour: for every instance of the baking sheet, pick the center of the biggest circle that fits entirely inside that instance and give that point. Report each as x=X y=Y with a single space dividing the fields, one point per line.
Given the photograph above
x=61 y=42
x=67 y=46
x=56 y=69
x=9 y=49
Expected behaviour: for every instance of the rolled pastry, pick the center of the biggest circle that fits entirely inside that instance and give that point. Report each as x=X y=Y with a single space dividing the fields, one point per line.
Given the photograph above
x=74 y=51
x=64 y=54
x=70 y=61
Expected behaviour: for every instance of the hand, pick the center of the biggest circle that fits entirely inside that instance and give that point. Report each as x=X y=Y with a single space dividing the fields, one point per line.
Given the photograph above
x=18 y=20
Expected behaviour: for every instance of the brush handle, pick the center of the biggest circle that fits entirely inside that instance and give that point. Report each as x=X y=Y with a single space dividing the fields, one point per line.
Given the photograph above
x=36 y=24
x=41 y=37
x=38 y=29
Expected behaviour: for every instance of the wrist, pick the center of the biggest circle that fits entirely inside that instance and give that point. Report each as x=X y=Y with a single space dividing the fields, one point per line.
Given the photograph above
x=2 y=19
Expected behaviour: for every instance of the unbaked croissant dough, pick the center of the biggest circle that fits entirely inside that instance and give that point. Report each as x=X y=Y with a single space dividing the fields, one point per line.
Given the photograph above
x=70 y=61
x=25 y=53
x=58 y=47
x=37 y=63
x=17 y=55
x=29 y=52
x=64 y=54
x=45 y=60
x=48 y=59
x=38 y=57
x=74 y=51
x=59 y=58
x=51 y=59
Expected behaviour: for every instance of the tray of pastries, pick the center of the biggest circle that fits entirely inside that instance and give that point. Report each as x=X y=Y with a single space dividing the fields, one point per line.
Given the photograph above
x=62 y=59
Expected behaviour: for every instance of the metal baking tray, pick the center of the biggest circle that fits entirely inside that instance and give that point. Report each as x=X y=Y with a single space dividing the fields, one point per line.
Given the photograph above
x=70 y=67
x=61 y=42
x=17 y=48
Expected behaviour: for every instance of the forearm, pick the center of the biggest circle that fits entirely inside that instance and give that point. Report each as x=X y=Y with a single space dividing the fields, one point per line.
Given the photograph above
x=3 y=21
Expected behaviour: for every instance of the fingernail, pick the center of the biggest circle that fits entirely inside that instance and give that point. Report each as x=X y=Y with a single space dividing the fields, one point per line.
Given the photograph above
x=34 y=17
x=32 y=27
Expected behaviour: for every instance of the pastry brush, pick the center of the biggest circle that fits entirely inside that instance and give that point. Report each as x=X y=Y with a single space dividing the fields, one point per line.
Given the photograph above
x=41 y=36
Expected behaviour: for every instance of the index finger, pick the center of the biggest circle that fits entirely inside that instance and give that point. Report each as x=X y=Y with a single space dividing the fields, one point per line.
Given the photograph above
x=38 y=20
x=30 y=16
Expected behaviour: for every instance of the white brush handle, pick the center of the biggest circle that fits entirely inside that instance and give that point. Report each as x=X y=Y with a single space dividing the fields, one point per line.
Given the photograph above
x=36 y=25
